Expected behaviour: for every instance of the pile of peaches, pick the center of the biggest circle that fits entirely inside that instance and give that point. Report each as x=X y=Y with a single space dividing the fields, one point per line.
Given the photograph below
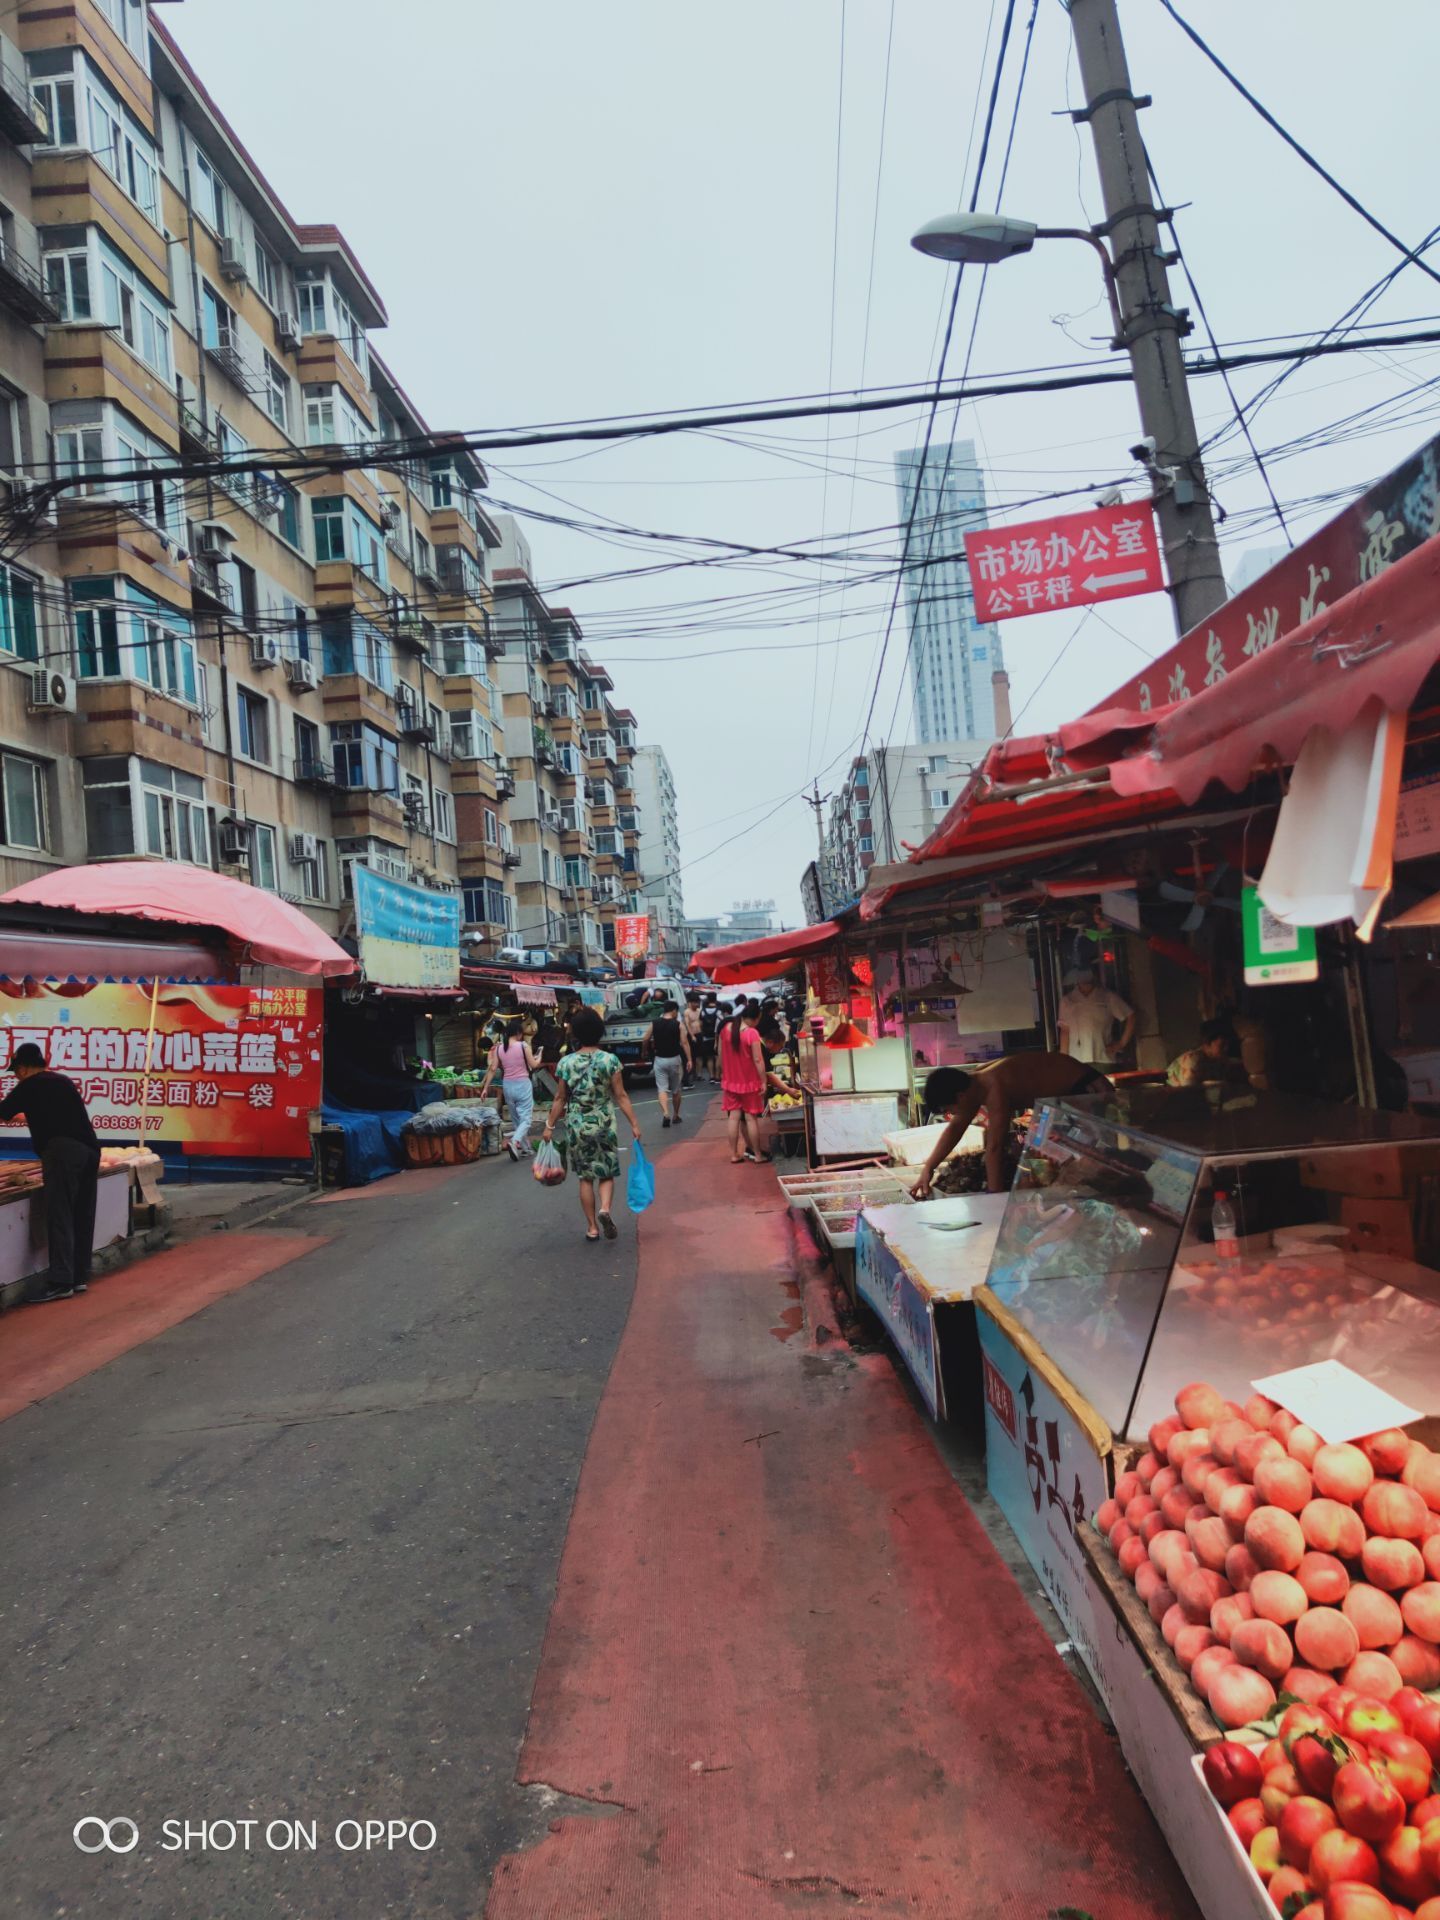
x=1338 y=1810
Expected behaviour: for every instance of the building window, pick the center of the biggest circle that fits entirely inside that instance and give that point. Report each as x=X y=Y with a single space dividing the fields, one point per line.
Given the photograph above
x=19 y=634
x=217 y=320
x=277 y=393
x=289 y=519
x=307 y=746
x=268 y=282
x=492 y=828
x=252 y=713
x=210 y=195
x=939 y=796
x=57 y=97
x=131 y=641
x=310 y=301
x=444 y=815
x=313 y=874
x=24 y=802
x=577 y=871
x=262 y=857
x=354 y=646
x=67 y=280
x=168 y=804
x=329 y=518
x=364 y=757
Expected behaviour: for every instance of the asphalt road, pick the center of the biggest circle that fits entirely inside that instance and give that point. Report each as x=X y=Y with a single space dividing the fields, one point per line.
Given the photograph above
x=292 y=1561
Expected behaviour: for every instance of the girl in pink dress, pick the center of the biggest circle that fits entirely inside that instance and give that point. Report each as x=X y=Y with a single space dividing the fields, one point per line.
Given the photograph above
x=744 y=1078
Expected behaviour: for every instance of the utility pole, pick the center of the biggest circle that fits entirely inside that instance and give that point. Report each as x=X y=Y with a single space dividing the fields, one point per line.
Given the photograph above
x=1151 y=328
x=817 y=801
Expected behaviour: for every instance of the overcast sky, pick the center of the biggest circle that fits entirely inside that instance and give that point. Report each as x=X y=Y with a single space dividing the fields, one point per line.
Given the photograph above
x=575 y=210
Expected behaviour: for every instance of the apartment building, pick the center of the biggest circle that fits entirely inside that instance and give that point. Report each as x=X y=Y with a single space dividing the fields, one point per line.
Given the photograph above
x=891 y=800
x=574 y=819
x=660 y=855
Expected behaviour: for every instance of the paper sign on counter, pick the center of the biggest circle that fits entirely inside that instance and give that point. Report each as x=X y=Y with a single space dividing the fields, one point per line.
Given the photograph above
x=1337 y=1402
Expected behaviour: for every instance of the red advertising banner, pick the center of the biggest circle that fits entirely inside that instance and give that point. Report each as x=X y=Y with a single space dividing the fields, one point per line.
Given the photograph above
x=1069 y=561
x=1386 y=522
x=233 y=1070
x=632 y=935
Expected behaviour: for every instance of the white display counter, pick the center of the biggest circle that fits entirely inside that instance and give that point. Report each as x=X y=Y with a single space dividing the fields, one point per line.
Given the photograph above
x=24 y=1249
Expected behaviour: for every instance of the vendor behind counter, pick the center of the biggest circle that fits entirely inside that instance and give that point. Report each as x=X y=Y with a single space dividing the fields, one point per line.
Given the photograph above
x=1003 y=1088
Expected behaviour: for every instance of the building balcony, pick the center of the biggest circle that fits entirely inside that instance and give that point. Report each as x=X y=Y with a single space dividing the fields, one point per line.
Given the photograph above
x=22 y=286
x=316 y=774
x=411 y=635
x=209 y=589
x=510 y=857
x=504 y=783
x=22 y=117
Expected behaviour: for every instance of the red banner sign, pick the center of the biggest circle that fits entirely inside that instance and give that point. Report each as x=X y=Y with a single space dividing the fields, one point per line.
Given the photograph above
x=1386 y=522
x=1066 y=562
x=632 y=935
x=232 y=1070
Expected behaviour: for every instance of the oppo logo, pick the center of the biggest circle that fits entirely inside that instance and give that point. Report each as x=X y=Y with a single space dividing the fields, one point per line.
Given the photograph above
x=93 y=1835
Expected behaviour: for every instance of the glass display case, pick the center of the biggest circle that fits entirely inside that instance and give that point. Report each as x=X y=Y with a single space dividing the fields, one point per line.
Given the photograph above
x=1107 y=1252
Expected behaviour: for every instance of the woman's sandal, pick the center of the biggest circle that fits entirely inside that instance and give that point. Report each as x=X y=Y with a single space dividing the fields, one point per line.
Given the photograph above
x=607 y=1226
x=593 y=1238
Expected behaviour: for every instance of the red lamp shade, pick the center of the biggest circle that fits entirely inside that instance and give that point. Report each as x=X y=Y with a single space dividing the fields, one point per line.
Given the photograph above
x=846 y=1036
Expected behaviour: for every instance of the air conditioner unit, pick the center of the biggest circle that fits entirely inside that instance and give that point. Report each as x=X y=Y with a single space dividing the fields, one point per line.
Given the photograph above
x=287 y=332
x=232 y=259
x=264 y=650
x=52 y=692
x=213 y=541
x=552 y=819
x=304 y=847
x=415 y=810
x=301 y=674
x=234 y=841
x=404 y=697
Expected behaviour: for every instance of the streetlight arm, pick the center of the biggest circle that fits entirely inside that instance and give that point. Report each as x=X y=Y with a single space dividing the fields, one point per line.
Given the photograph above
x=1107 y=266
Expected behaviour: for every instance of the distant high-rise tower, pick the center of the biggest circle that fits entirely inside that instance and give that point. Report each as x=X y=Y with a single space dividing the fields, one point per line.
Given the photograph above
x=957 y=669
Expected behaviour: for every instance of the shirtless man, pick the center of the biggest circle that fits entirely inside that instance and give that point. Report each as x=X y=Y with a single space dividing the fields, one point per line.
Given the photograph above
x=1003 y=1088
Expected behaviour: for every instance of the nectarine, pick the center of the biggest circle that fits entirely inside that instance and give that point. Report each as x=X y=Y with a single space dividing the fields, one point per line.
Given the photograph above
x=1301 y=1825
x=1225 y=1436
x=1422 y=1472
x=1303 y=1445
x=1241 y=1567
x=1336 y=1857
x=1198 y=1592
x=1205 y=1663
x=1191 y=1641
x=1417 y=1662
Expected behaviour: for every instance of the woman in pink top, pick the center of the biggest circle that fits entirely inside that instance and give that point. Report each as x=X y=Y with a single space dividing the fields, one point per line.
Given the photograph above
x=513 y=1061
x=744 y=1078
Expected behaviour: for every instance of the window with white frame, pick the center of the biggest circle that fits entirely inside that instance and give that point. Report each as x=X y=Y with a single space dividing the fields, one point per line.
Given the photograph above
x=252 y=716
x=127 y=17
x=89 y=280
x=277 y=392
x=211 y=196
x=218 y=329
x=491 y=827
x=138 y=806
x=269 y=279
x=349 y=331
x=84 y=110
x=471 y=736
x=23 y=789
x=262 y=857
x=312 y=874
x=57 y=97
x=124 y=634
x=332 y=419
x=444 y=815
x=66 y=258
x=19 y=627
x=90 y=437
x=310 y=302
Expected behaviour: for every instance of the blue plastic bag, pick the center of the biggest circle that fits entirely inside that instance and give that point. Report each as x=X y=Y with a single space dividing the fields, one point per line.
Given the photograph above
x=640 y=1187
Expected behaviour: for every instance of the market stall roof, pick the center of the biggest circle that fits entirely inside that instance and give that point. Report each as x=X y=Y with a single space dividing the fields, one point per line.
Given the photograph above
x=35 y=953
x=268 y=930
x=749 y=959
x=1376 y=644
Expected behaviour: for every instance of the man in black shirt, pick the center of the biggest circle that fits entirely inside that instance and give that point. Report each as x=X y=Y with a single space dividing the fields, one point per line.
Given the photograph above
x=70 y=1157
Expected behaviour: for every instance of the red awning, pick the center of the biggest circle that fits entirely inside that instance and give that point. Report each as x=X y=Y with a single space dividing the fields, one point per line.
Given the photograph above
x=32 y=954
x=1378 y=644
x=751 y=959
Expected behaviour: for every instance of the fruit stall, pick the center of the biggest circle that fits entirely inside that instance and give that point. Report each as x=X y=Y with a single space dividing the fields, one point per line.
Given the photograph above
x=1225 y=1554
x=24 y=1248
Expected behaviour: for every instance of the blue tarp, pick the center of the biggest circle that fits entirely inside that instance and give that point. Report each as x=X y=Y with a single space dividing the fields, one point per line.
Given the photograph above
x=372 y=1141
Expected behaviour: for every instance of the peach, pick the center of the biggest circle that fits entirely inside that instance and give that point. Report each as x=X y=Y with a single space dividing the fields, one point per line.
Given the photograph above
x=1118 y=1534
x=1306 y=1684
x=1260 y=1412
x=1228 y=1613
x=1373 y=1675
x=1210 y=1541
x=1275 y=1539
x=1338 y=1858
x=1264 y=1646
x=1152 y=1524
x=1189 y=1440
x=1332 y=1527
x=1172 y=1623
x=1416 y=1661
x=1176 y=1504
x=1342 y=1472
x=1282 y=1424
x=1241 y=1567
x=1205 y=1662
x=1387 y=1451
x=1218 y=1483
x=1247 y=1817
x=1374 y=1615
x=1324 y=1638
x=1147 y=1578
x=1237 y=1695
x=1139 y=1508
x=1397 y=1512
x=1197 y=1470
x=1146 y=1468
x=1200 y=1405
x=1198 y=1592
x=1160 y=1602
x=1106 y=1515
x=1420 y=1609
x=1301 y=1825
x=1161 y=1434
x=1225 y=1437
x=1278 y=1597
x=1265 y=1850
x=1391 y=1564
x=1288 y=1880
x=1260 y=1446
x=1430 y=1554
x=1303 y=1445
x=1284 y=1483
x=1132 y=1556
x=1422 y=1473
x=1126 y=1488
x=1323 y=1577
x=1238 y=1503
x=1191 y=1641
x=1164 y=1480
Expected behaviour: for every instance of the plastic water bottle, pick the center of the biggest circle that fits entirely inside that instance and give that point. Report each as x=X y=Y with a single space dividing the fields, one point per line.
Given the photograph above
x=1222 y=1228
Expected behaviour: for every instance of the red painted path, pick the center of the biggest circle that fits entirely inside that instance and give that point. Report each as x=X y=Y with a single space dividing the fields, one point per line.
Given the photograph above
x=783 y=1653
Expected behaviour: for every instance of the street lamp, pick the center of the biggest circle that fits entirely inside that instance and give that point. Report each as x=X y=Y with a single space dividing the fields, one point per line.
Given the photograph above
x=982 y=239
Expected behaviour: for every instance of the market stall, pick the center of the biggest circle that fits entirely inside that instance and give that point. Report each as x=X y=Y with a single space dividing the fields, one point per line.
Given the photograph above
x=24 y=1245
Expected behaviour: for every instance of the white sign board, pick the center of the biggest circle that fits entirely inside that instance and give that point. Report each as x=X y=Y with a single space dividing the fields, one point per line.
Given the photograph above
x=1337 y=1402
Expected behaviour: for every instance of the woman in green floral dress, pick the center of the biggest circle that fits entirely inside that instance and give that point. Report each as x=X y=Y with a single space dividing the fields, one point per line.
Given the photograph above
x=592 y=1085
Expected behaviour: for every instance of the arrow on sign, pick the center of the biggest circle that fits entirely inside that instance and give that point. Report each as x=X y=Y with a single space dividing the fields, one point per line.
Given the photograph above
x=1098 y=580
x=1027 y=1392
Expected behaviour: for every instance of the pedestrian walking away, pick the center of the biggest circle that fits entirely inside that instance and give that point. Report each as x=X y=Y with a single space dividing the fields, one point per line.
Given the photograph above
x=592 y=1086
x=668 y=1045
x=744 y=1080
x=511 y=1058
x=690 y=1020
x=69 y=1160
x=709 y=1033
